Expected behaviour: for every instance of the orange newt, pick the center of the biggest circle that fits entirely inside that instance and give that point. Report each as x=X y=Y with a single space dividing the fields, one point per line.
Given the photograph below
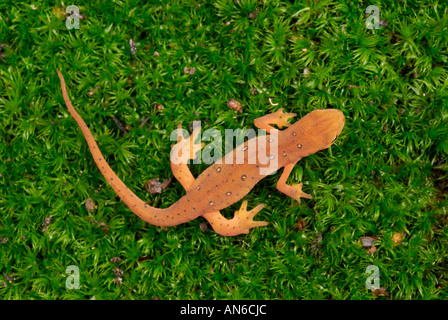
x=226 y=182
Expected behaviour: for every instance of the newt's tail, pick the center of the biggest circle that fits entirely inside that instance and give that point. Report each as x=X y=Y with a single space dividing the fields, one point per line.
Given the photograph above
x=139 y=207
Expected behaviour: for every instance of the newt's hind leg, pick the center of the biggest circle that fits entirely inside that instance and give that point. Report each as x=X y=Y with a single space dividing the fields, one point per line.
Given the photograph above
x=242 y=222
x=278 y=118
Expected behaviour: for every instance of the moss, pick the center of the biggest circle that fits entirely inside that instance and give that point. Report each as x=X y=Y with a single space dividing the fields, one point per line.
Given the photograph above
x=387 y=173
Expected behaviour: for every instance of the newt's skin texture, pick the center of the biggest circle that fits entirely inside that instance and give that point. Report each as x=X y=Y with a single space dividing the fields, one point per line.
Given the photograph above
x=222 y=185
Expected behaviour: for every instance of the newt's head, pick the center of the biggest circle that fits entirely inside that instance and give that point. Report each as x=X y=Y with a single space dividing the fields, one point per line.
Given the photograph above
x=316 y=131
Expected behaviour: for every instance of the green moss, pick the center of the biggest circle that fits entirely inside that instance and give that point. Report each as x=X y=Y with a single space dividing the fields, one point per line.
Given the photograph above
x=387 y=173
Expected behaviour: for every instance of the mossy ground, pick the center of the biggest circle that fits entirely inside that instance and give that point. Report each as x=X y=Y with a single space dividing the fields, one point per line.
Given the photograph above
x=386 y=174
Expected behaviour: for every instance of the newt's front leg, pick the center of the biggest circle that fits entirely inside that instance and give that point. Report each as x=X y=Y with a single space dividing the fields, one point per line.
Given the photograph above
x=242 y=222
x=183 y=150
x=295 y=190
x=279 y=118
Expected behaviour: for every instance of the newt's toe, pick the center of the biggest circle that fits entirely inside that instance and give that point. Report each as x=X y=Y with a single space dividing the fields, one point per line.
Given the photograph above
x=298 y=193
x=245 y=218
x=281 y=118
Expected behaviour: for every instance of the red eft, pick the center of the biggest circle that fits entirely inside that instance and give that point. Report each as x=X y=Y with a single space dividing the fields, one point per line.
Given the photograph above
x=226 y=182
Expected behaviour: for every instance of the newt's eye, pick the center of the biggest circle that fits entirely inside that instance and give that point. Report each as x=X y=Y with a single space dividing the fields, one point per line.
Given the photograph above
x=335 y=138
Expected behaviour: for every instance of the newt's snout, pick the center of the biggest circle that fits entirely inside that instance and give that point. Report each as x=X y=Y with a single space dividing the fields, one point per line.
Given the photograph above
x=319 y=129
x=332 y=122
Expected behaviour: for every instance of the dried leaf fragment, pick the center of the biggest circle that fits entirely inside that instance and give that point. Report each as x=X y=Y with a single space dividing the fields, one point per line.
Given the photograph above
x=188 y=70
x=118 y=276
x=154 y=186
x=253 y=91
x=306 y=72
x=104 y=226
x=368 y=242
x=133 y=46
x=380 y=292
x=10 y=278
x=144 y=258
x=93 y=91
x=397 y=238
x=300 y=225
x=118 y=272
x=253 y=14
x=46 y=223
x=371 y=250
x=118 y=281
x=203 y=226
x=235 y=105
x=90 y=205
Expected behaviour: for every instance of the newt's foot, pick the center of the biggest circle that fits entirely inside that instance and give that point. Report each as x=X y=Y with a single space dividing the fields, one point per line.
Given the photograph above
x=245 y=220
x=279 y=118
x=297 y=193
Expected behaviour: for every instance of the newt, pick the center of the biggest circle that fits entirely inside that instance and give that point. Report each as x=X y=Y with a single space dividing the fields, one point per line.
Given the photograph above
x=227 y=181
